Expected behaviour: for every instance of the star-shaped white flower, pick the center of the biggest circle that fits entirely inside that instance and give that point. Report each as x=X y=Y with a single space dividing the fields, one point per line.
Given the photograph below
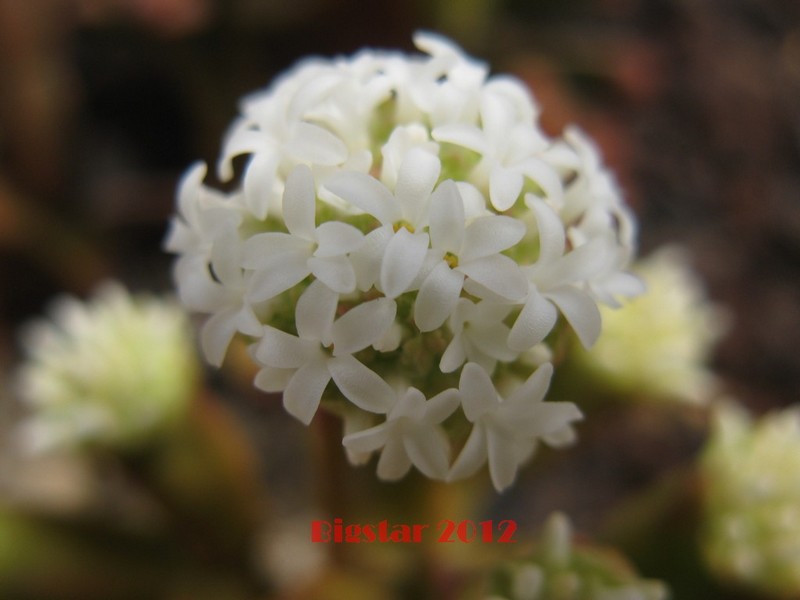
x=555 y=284
x=302 y=365
x=411 y=434
x=506 y=431
x=394 y=253
x=472 y=252
x=276 y=132
x=203 y=215
x=441 y=88
x=479 y=335
x=509 y=144
x=282 y=260
x=208 y=275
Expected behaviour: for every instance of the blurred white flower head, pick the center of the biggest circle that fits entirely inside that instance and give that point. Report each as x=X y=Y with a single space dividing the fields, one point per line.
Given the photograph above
x=399 y=217
x=113 y=371
x=751 y=471
x=562 y=570
x=660 y=344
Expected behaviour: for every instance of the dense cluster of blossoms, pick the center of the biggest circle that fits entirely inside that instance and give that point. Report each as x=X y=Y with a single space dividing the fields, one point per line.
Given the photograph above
x=750 y=470
x=113 y=372
x=401 y=246
x=561 y=570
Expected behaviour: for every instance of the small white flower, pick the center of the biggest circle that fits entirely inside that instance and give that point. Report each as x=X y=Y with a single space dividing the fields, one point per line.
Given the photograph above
x=442 y=89
x=396 y=251
x=221 y=294
x=276 y=134
x=282 y=260
x=554 y=284
x=410 y=435
x=302 y=365
x=208 y=273
x=400 y=143
x=506 y=431
x=479 y=336
x=473 y=251
x=508 y=143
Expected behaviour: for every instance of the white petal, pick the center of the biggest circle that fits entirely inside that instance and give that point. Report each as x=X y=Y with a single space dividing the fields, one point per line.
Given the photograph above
x=367 y=193
x=335 y=237
x=415 y=180
x=473 y=200
x=285 y=351
x=226 y=258
x=189 y=188
x=316 y=145
x=394 y=462
x=363 y=387
x=565 y=436
x=467 y=136
x=546 y=177
x=499 y=274
x=302 y=395
x=523 y=402
x=477 y=392
x=504 y=458
x=553 y=418
x=489 y=235
x=491 y=339
x=497 y=115
x=247 y=322
x=315 y=311
x=362 y=326
x=217 y=334
x=584 y=262
x=505 y=186
x=625 y=284
x=429 y=451
x=268 y=250
x=180 y=237
x=442 y=405
x=447 y=218
x=367 y=440
x=454 y=355
x=581 y=312
x=240 y=139
x=271 y=379
x=472 y=455
x=367 y=259
x=299 y=202
x=197 y=290
x=402 y=260
x=536 y=320
x=258 y=182
x=437 y=297
x=335 y=271
x=268 y=283
x=552 y=239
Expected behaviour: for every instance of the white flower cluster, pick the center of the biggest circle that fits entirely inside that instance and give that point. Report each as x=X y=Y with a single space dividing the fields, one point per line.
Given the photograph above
x=405 y=230
x=750 y=469
x=115 y=371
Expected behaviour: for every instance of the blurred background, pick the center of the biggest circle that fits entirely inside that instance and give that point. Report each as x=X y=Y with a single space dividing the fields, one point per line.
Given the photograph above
x=696 y=106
